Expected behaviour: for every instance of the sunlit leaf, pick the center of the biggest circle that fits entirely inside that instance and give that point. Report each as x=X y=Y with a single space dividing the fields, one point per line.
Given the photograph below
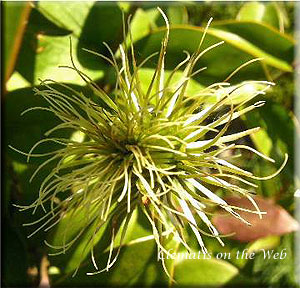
x=267 y=39
x=266 y=243
x=269 y=13
x=204 y=272
x=237 y=49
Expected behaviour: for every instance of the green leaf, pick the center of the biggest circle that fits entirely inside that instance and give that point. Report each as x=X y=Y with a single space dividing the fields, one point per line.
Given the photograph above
x=69 y=16
x=265 y=38
x=91 y=24
x=137 y=229
x=250 y=48
x=274 y=271
x=268 y=13
x=16 y=15
x=136 y=265
x=262 y=141
x=54 y=51
x=254 y=11
x=266 y=243
x=103 y=24
x=236 y=49
x=279 y=126
x=275 y=139
x=177 y=14
x=15 y=257
x=22 y=132
x=251 y=11
x=43 y=50
x=141 y=24
x=204 y=272
x=71 y=259
x=23 y=192
x=16 y=81
x=273 y=16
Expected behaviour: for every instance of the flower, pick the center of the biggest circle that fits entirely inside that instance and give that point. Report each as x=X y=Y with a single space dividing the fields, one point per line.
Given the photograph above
x=158 y=149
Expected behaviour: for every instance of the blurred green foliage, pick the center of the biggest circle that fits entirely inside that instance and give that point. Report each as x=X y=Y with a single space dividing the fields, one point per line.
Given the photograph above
x=249 y=30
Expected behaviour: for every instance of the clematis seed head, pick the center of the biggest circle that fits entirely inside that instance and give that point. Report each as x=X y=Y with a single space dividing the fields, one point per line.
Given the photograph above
x=158 y=150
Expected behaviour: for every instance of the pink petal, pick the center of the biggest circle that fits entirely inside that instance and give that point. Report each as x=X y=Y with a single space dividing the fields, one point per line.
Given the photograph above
x=277 y=221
